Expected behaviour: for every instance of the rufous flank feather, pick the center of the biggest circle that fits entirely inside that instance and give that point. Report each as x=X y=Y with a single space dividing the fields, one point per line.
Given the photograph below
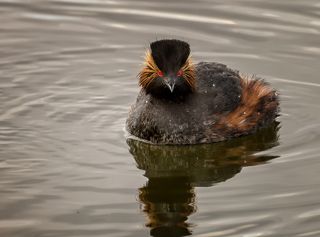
x=258 y=103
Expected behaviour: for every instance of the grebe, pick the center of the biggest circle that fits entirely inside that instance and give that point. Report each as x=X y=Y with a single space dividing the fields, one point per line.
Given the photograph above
x=185 y=103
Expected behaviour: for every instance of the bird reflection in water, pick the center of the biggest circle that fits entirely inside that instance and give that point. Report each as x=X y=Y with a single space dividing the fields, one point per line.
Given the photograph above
x=168 y=197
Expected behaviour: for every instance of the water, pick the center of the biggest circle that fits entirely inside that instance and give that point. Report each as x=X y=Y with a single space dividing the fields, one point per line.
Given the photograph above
x=67 y=79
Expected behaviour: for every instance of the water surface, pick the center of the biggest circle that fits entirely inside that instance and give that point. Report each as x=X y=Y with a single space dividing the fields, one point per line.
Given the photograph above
x=67 y=79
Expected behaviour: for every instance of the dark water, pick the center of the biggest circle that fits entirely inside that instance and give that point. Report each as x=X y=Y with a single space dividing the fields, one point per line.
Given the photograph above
x=67 y=79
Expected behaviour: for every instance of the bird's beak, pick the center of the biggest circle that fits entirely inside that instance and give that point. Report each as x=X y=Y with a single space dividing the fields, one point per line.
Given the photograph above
x=170 y=82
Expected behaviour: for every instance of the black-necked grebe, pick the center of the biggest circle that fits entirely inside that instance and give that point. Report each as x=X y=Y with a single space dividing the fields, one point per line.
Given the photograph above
x=185 y=103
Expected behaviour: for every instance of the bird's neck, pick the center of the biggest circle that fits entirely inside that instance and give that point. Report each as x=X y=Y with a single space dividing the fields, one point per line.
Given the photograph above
x=175 y=96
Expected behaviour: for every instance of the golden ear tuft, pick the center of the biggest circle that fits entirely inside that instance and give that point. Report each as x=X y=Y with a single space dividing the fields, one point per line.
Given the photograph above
x=189 y=73
x=149 y=71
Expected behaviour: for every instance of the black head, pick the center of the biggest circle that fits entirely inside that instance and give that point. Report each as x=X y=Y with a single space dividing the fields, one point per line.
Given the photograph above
x=169 y=70
x=170 y=55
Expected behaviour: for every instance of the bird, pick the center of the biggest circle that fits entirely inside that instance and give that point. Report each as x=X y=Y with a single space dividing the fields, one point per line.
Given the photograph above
x=184 y=103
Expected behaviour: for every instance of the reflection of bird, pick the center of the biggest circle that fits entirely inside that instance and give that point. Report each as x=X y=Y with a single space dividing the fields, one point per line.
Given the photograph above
x=183 y=103
x=168 y=201
x=168 y=198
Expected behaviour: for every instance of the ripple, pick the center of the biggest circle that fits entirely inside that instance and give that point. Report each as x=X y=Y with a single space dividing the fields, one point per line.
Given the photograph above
x=12 y=224
x=174 y=16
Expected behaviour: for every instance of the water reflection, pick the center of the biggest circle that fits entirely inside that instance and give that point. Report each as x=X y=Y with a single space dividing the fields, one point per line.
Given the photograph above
x=168 y=198
x=168 y=201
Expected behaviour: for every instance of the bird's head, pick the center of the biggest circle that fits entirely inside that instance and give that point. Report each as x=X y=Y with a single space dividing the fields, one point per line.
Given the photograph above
x=168 y=69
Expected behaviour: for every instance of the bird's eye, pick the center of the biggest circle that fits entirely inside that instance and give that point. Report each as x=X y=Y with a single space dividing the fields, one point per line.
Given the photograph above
x=179 y=73
x=160 y=74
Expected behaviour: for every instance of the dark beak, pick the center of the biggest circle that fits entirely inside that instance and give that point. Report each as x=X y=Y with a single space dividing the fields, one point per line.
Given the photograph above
x=170 y=82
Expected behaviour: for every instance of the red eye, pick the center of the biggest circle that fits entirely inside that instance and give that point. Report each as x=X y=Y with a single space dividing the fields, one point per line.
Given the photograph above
x=160 y=74
x=180 y=73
